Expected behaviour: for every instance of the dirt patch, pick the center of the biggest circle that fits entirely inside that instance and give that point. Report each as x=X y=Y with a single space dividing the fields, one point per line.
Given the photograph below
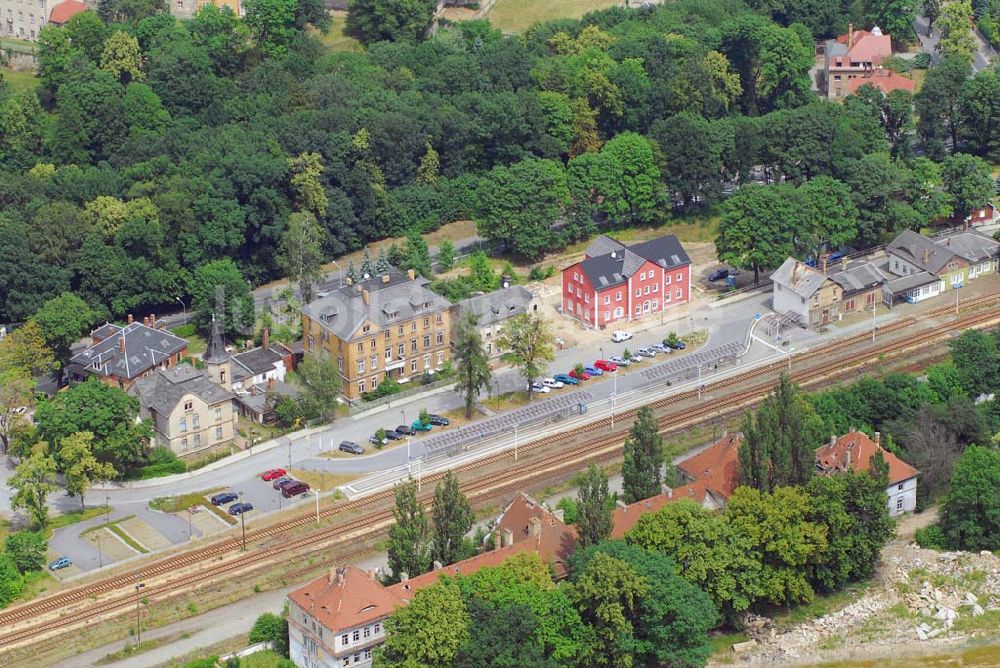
x=320 y=480
x=206 y=522
x=110 y=545
x=144 y=535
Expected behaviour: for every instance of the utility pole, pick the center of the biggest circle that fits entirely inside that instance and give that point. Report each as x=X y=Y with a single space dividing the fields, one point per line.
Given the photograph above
x=138 y=624
x=189 y=523
x=243 y=523
x=100 y=555
x=515 y=442
x=874 y=306
x=614 y=395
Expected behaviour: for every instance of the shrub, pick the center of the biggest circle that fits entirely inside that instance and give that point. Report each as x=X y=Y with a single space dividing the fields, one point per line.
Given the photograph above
x=184 y=331
x=162 y=462
x=897 y=64
x=930 y=538
x=26 y=549
x=569 y=507
x=921 y=61
x=11 y=581
x=207 y=662
x=271 y=628
x=288 y=410
x=538 y=273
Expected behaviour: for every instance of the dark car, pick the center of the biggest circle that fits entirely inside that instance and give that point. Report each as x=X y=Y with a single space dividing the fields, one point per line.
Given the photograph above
x=406 y=431
x=240 y=508
x=718 y=275
x=281 y=482
x=222 y=498
x=421 y=426
x=438 y=421
x=296 y=488
x=676 y=344
x=351 y=447
x=565 y=379
x=393 y=435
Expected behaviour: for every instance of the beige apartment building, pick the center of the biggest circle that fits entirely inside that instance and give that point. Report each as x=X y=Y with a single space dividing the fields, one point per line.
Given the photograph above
x=390 y=326
x=188 y=411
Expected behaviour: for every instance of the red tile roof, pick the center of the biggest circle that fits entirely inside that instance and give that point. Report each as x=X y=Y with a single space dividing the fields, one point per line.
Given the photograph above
x=717 y=466
x=66 y=10
x=854 y=450
x=346 y=598
x=885 y=80
x=627 y=517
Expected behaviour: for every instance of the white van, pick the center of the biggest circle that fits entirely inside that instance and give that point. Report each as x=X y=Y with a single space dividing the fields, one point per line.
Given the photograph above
x=621 y=335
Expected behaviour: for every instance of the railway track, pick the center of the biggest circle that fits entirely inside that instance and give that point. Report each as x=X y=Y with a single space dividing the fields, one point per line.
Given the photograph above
x=220 y=558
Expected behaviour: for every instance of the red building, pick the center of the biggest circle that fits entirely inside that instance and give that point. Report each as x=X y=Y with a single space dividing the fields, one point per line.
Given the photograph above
x=616 y=283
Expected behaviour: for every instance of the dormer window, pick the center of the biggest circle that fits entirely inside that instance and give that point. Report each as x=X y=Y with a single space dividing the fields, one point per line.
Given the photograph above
x=188 y=406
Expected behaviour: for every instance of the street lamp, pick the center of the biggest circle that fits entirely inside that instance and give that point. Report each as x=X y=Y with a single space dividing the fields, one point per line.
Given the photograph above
x=100 y=555
x=190 y=512
x=107 y=509
x=243 y=523
x=253 y=433
x=138 y=625
x=515 y=442
x=183 y=309
x=408 y=461
x=614 y=395
x=496 y=381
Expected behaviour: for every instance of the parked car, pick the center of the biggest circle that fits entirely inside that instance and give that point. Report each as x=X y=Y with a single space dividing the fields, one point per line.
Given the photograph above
x=422 y=426
x=619 y=361
x=351 y=447
x=565 y=379
x=282 y=481
x=606 y=365
x=296 y=488
x=538 y=387
x=646 y=352
x=579 y=376
x=375 y=440
x=676 y=344
x=61 y=562
x=222 y=498
x=393 y=435
x=718 y=275
x=240 y=508
x=406 y=431
x=621 y=335
x=439 y=421
x=273 y=474
x=593 y=371
x=660 y=348
x=553 y=383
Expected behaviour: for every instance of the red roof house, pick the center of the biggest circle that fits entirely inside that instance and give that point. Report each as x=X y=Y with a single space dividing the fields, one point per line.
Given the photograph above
x=66 y=10
x=856 y=54
x=885 y=80
x=854 y=451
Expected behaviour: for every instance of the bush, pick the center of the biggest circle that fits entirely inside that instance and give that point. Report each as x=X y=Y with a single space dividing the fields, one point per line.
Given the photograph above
x=568 y=505
x=930 y=538
x=207 y=662
x=921 y=61
x=271 y=628
x=897 y=64
x=388 y=387
x=288 y=410
x=162 y=462
x=184 y=331
x=11 y=581
x=538 y=273
x=26 y=549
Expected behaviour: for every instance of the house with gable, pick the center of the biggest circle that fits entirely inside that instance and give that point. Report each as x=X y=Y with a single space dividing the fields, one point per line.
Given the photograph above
x=854 y=450
x=805 y=292
x=856 y=58
x=922 y=268
x=121 y=355
x=616 y=284
x=492 y=310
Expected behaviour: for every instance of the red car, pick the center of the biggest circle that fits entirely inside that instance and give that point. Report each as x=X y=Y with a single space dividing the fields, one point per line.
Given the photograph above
x=583 y=375
x=605 y=365
x=272 y=474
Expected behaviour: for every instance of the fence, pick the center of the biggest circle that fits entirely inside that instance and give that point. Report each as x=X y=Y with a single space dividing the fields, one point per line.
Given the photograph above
x=364 y=406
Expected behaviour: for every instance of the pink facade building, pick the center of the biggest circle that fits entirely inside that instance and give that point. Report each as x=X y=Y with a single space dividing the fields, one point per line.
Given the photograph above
x=615 y=283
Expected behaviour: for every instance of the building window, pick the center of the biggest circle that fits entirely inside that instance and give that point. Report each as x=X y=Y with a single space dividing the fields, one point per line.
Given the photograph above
x=666 y=280
x=656 y=287
x=646 y=290
x=188 y=405
x=440 y=338
x=387 y=334
x=388 y=354
x=427 y=323
x=361 y=366
x=197 y=440
x=182 y=425
x=427 y=361
x=368 y=653
x=374 y=383
x=440 y=319
x=340 y=364
x=680 y=293
x=374 y=362
x=343 y=639
x=576 y=276
x=218 y=433
x=618 y=296
x=427 y=342
x=899 y=503
x=195 y=421
x=184 y=444
x=666 y=297
x=440 y=357
x=413 y=345
x=680 y=277
x=900 y=487
x=372 y=346
x=218 y=413
x=361 y=347
x=368 y=632
x=357 y=658
x=638 y=292
x=489 y=348
x=356 y=636
x=361 y=387
x=399 y=332
x=586 y=298
x=656 y=304
x=413 y=366
x=413 y=326
x=400 y=348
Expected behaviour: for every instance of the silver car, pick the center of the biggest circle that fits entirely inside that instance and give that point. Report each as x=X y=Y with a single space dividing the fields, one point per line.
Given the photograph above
x=646 y=352
x=619 y=361
x=660 y=348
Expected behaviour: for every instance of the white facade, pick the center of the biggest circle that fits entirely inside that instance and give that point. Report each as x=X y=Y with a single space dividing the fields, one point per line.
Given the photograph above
x=311 y=645
x=786 y=300
x=902 y=497
x=22 y=19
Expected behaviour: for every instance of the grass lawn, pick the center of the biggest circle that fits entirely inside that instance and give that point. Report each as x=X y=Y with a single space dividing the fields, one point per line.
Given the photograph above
x=322 y=481
x=36 y=583
x=517 y=15
x=177 y=504
x=117 y=530
x=918 y=77
x=18 y=81
x=196 y=344
x=335 y=39
x=66 y=519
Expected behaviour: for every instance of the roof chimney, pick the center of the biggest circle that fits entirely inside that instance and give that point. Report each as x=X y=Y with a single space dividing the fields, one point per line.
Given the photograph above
x=385 y=278
x=130 y=318
x=833 y=440
x=824 y=264
x=508 y=537
x=270 y=383
x=927 y=255
x=145 y=320
x=850 y=35
x=670 y=493
x=621 y=504
x=848 y=459
x=534 y=526
x=878 y=438
x=404 y=577
x=437 y=565
x=121 y=343
x=265 y=338
x=410 y=274
x=366 y=297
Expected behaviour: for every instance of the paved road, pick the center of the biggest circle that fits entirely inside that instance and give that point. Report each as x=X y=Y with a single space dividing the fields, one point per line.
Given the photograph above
x=981 y=59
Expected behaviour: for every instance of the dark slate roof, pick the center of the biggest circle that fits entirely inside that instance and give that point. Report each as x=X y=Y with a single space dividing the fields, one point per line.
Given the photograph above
x=216 y=350
x=498 y=305
x=344 y=311
x=970 y=245
x=145 y=347
x=620 y=262
x=258 y=360
x=798 y=277
x=905 y=283
x=914 y=247
x=857 y=277
x=161 y=391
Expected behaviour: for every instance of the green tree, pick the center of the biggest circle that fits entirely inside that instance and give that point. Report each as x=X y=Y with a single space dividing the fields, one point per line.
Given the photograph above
x=521 y=205
x=608 y=593
x=106 y=412
x=491 y=628
x=430 y=166
x=642 y=472
x=79 y=466
x=389 y=20
x=693 y=157
x=955 y=25
x=470 y=362
x=779 y=440
x=706 y=551
x=528 y=345
x=306 y=181
x=777 y=527
x=272 y=24
x=272 y=628
x=773 y=63
x=968 y=180
x=428 y=632
x=32 y=482
x=621 y=182
x=895 y=17
x=26 y=351
x=11 y=582
x=301 y=253
x=409 y=535
x=445 y=256
x=980 y=112
x=975 y=356
x=482 y=274
x=828 y=216
x=970 y=517
x=938 y=105
x=595 y=508
x=16 y=393
x=218 y=288
x=27 y=550
x=416 y=255
x=319 y=380
x=452 y=519
x=756 y=229
x=122 y=57
x=62 y=321
x=673 y=618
